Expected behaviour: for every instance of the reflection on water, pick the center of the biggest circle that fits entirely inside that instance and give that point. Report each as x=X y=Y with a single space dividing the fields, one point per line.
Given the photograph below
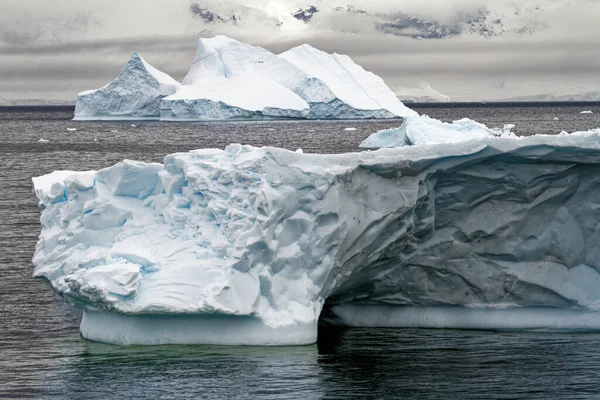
x=42 y=354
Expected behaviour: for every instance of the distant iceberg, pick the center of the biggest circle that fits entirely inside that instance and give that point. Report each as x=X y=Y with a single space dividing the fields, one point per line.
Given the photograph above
x=233 y=80
x=421 y=93
x=425 y=130
x=135 y=94
x=255 y=245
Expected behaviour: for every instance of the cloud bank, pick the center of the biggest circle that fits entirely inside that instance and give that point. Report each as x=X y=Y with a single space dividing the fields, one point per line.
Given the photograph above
x=489 y=50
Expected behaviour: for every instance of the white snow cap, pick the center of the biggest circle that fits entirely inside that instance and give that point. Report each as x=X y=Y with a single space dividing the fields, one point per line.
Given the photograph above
x=250 y=92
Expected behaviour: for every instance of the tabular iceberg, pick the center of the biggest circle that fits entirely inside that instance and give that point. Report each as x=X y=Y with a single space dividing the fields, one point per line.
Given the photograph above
x=246 y=245
x=425 y=130
x=135 y=94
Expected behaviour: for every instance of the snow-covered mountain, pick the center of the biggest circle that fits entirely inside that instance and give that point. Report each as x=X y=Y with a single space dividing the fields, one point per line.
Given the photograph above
x=421 y=93
x=486 y=19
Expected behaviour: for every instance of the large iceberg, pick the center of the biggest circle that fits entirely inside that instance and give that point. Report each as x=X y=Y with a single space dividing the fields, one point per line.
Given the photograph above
x=135 y=94
x=333 y=86
x=249 y=245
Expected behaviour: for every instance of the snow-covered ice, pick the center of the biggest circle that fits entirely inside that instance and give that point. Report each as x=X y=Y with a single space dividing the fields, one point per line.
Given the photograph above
x=135 y=94
x=246 y=245
x=237 y=97
x=346 y=90
x=230 y=79
x=425 y=130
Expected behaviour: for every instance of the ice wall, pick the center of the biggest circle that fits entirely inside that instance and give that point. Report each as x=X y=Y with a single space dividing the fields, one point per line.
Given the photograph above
x=246 y=245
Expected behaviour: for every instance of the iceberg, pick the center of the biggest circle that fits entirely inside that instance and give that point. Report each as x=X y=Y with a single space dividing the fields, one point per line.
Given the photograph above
x=238 y=97
x=354 y=93
x=333 y=86
x=255 y=246
x=135 y=94
x=422 y=130
x=421 y=93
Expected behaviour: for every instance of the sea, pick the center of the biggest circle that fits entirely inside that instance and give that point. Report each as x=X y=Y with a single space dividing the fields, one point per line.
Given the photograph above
x=42 y=354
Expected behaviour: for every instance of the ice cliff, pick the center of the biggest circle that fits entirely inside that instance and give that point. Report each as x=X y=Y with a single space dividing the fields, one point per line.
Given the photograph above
x=135 y=94
x=249 y=245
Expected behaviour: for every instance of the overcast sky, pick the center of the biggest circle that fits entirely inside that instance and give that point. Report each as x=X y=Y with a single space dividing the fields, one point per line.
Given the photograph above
x=53 y=49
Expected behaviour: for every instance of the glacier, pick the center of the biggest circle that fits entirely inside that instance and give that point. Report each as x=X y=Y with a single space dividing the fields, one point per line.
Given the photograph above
x=422 y=129
x=255 y=246
x=333 y=85
x=135 y=94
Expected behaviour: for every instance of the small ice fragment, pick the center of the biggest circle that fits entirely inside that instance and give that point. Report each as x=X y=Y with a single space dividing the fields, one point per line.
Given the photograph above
x=95 y=139
x=270 y=129
x=507 y=130
x=586 y=112
x=42 y=140
x=350 y=129
x=556 y=118
x=134 y=126
x=114 y=131
x=299 y=151
x=71 y=129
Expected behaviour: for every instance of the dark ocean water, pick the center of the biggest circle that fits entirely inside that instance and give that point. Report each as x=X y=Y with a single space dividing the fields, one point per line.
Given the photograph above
x=43 y=356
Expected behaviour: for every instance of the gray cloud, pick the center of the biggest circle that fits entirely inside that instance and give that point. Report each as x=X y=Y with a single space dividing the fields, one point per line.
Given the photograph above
x=56 y=49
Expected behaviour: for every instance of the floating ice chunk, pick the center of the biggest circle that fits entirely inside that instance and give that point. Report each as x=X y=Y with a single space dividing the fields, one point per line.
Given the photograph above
x=556 y=119
x=587 y=112
x=299 y=151
x=349 y=129
x=72 y=129
x=42 y=140
x=425 y=130
x=247 y=245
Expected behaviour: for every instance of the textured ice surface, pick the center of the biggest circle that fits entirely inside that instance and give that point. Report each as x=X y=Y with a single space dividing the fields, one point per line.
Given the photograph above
x=425 y=130
x=135 y=94
x=245 y=245
x=333 y=86
x=238 y=97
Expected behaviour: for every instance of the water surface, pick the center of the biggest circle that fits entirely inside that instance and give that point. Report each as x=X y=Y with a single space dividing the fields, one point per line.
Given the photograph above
x=42 y=354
